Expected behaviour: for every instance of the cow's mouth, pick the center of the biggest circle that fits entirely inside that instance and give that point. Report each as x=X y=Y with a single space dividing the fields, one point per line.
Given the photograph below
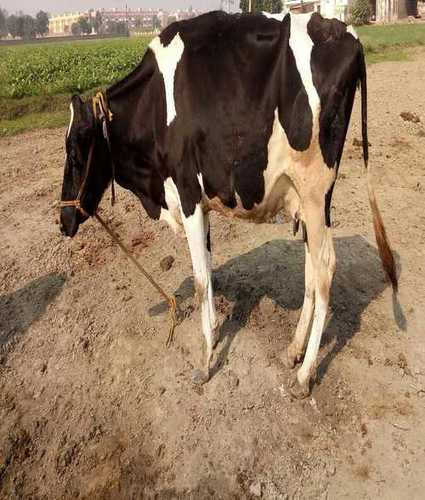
x=70 y=221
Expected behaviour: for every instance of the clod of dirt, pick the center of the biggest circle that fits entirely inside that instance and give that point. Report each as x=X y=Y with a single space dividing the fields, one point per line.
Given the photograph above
x=142 y=238
x=408 y=116
x=402 y=364
x=359 y=143
x=167 y=263
x=137 y=240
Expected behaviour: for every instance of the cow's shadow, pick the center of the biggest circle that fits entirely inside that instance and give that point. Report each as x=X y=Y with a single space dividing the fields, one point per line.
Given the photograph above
x=20 y=309
x=276 y=270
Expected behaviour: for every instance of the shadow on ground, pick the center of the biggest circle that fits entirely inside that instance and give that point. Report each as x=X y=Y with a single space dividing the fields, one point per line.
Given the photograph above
x=19 y=309
x=276 y=270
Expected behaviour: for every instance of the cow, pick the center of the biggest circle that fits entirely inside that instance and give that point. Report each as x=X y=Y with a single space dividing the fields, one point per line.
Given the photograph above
x=246 y=115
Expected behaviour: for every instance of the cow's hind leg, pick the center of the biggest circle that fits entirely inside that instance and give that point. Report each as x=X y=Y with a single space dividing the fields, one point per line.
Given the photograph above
x=319 y=240
x=297 y=346
x=197 y=232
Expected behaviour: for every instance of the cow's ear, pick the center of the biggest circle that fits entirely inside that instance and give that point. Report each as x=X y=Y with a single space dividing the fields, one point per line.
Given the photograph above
x=77 y=105
x=83 y=117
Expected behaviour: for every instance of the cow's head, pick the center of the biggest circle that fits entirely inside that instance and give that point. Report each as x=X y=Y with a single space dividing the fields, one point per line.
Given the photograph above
x=88 y=182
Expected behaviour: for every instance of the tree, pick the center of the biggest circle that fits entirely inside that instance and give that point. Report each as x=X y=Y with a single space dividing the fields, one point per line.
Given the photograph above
x=75 y=29
x=14 y=25
x=84 y=25
x=360 y=12
x=117 y=28
x=29 y=29
x=3 y=23
x=42 y=23
x=272 y=6
x=97 y=22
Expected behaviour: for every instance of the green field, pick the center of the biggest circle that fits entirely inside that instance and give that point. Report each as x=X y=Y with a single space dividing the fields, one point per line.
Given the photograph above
x=36 y=80
x=49 y=69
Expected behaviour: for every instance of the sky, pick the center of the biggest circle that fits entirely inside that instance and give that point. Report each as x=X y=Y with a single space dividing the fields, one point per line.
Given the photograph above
x=59 y=6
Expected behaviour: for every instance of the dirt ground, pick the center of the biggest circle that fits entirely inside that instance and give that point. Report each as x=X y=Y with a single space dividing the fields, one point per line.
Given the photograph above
x=92 y=403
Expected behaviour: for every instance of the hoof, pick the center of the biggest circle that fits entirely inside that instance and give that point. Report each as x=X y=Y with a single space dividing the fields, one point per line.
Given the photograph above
x=297 y=390
x=291 y=358
x=199 y=377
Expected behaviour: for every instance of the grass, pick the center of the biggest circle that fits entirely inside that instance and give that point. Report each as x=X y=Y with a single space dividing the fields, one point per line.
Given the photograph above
x=389 y=42
x=36 y=81
x=376 y=39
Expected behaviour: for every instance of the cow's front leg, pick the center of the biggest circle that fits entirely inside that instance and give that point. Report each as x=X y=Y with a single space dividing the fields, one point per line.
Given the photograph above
x=197 y=233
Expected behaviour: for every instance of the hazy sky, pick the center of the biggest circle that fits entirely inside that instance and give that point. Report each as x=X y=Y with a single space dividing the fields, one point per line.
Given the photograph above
x=58 y=6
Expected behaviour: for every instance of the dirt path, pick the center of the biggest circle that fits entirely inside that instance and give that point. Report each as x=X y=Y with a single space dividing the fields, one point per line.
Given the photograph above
x=92 y=405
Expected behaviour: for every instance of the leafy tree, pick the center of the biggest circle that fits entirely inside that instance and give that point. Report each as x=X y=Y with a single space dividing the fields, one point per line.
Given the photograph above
x=3 y=22
x=14 y=25
x=75 y=29
x=360 y=12
x=272 y=6
x=156 y=23
x=42 y=23
x=84 y=25
x=97 y=23
x=29 y=29
x=117 y=28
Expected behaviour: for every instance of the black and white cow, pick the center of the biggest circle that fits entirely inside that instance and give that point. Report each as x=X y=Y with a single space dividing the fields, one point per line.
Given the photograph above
x=242 y=114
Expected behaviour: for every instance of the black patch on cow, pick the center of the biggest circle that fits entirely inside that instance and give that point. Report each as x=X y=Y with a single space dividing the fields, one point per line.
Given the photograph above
x=137 y=133
x=328 y=201
x=336 y=71
x=295 y=226
x=209 y=240
x=304 y=232
x=295 y=113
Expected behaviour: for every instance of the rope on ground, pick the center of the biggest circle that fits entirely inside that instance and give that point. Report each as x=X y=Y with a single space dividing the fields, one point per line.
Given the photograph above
x=171 y=300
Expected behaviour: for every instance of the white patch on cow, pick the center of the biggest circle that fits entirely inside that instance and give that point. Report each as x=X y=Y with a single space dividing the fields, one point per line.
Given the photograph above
x=71 y=107
x=201 y=183
x=167 y=59
x=277 y=17
x=302 y=45
x=172 y=215
x=352 y=31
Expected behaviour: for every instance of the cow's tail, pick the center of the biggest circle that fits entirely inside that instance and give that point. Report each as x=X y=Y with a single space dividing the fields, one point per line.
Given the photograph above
x=385 y=252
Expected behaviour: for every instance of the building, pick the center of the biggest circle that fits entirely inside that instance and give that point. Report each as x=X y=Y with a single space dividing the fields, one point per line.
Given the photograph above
x=61 y=25
x=136 y=20
x=383 y=11
x=389 y=11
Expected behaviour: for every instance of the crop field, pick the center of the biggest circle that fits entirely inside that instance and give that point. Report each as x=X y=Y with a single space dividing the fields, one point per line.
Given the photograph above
x=30 y=70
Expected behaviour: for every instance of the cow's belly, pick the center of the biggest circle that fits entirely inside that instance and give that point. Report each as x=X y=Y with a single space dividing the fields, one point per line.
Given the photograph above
x=280 y=195
x=279 y=188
